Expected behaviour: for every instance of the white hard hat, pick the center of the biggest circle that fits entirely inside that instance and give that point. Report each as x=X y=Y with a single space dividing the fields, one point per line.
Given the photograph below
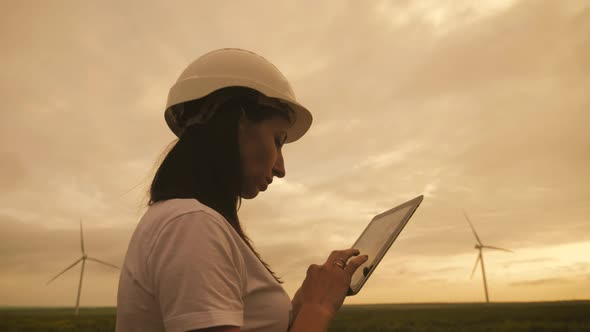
x=229 y=67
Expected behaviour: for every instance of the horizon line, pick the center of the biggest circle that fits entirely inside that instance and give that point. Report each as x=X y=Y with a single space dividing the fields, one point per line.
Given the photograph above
x=344 y=305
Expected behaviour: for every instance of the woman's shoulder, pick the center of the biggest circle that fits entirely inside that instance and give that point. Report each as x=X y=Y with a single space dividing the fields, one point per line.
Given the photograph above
x=173 y=208
x=185 y=217
x=179 y=213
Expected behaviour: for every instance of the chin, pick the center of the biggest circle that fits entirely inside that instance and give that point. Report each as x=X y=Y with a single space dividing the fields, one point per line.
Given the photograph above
x=249 y=195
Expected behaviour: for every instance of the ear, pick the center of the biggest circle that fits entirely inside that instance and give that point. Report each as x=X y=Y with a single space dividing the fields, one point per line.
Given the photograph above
x=243 y=123
x=243 y=120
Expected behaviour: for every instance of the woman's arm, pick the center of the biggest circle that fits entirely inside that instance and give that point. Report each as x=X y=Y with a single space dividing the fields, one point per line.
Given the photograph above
x=323 y=291
x=225 y=328
x=312 y=319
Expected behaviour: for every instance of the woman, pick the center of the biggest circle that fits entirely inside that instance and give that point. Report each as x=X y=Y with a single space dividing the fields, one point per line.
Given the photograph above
x=189 y=265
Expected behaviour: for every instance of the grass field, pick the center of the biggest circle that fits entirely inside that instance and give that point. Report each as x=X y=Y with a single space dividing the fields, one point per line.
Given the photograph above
x=496 y=317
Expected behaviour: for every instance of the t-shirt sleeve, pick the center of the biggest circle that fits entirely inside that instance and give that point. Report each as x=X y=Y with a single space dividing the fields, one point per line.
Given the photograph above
x=196 y=275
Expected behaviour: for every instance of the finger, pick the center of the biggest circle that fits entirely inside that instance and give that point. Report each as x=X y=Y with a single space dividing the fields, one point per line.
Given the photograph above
x=343 y=254
x=312 y=268
x=333 y=255
x=354 y=264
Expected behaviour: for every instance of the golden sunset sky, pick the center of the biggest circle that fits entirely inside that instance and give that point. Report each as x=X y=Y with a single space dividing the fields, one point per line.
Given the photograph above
x=482 y=106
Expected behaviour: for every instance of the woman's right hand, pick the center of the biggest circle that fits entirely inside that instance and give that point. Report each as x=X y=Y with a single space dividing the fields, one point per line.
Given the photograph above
x=326 y=285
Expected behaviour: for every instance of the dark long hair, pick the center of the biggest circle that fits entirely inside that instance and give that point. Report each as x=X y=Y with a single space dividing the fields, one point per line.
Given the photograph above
x=204 y=163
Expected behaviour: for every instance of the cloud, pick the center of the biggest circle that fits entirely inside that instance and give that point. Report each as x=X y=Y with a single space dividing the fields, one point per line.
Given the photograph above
x=528 y=261
x=29 y=248
x=13 y=166
x=541 y=282
x=478 y=106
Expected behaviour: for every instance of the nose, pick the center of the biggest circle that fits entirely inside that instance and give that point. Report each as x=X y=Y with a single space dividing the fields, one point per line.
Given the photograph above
x=278 y=168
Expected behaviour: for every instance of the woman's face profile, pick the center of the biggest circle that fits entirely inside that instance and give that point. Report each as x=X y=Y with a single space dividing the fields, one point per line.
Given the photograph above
x=260 y=153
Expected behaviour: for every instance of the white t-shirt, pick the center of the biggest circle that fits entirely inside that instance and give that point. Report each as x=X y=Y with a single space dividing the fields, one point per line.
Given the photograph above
x=186 y=268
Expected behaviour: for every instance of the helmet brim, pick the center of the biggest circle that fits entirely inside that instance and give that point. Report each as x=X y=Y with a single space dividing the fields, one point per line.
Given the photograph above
x=199 y=87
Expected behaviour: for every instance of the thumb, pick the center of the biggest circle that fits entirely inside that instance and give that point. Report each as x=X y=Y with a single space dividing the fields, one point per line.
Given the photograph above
x=354 y=264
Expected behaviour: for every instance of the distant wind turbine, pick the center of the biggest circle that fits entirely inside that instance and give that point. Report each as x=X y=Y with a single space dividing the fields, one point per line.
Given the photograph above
x=480 y=246
x=83 y=260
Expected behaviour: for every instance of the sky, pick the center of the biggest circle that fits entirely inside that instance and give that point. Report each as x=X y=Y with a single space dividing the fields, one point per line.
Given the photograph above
x=482 y=107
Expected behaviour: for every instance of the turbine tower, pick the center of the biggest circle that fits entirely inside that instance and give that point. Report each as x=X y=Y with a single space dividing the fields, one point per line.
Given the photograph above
x=83 y=260
x=480 y=246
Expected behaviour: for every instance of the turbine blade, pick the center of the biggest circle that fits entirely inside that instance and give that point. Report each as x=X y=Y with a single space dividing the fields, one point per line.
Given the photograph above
x=475 y=266
x=82 y=238
x=497 y=248
x=62 y=272
x=101 y=262
x=472 y=228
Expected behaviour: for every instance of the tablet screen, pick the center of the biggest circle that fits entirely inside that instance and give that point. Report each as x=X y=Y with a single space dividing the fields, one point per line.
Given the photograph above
x=383 y=229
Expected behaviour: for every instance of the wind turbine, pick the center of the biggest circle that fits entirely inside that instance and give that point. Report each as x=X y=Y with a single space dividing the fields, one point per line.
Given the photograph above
x=83 y=260
x=480 y=246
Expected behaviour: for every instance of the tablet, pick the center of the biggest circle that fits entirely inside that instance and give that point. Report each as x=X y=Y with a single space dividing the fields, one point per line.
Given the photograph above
x=377 y=237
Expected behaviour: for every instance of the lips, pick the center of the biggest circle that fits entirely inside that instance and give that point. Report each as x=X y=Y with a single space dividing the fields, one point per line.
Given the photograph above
x=266 y=184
